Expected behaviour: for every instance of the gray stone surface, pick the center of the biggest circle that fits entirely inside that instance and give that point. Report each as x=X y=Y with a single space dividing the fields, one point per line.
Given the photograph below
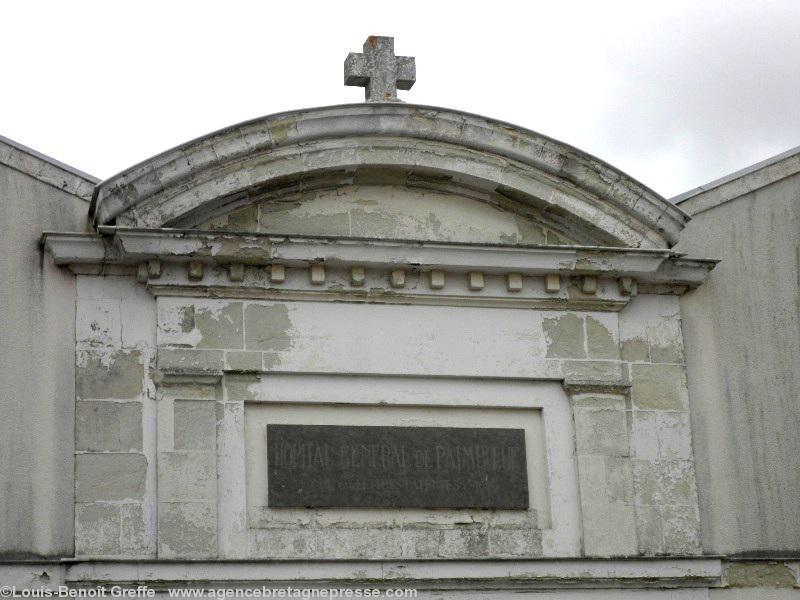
x=743 y=355
x=185 y=186
x=194 y=425
x=37 y=329
x=109 y=477
x=379 y=71
x=187 y=530
x=108 y=426
x=100 y=374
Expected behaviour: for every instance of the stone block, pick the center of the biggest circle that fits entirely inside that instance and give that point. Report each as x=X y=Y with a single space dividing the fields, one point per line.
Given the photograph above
x=239 y=387
x=644 y=435
x=102 y=426
x=589 y=285
x=592 y=477
x=515 y=543
x=190 y=361
x=421 y=543
x=236 y=272
x=437 y=279
x=98 y=323
x=619 y=480
x=316 y=274
x=681 y=526
x=767 y=574
x=463 y=543
x=153 y=269
x=187 y=530
x=659 y=387
x=219 y=324
x=365 y=544
x=358 y=276
x=649 y=530
x=475 y=281
x=176 y=323
x=276 y=543
x=267 y=327
x=599 y=400
x=109 y=477
x=601 y=342
x=565 y=336
x=277 y=273
x=195 y=270
x=552 y=283
x=666 y=341
x=514 y=282
x=194 y=425
x=594 y=372
x=397 y=278
x=609 y=530
x=97 y=530
x=627 y=286
x=187 y=476
x=243 y=361
x=674 y=435
x=133 y=530
x=109 y=374
x=634 y=350
x=658 y=483
x=601 y=431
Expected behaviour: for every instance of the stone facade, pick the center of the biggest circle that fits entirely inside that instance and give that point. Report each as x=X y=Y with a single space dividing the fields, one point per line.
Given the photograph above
x=385 y=264
x=178 y=350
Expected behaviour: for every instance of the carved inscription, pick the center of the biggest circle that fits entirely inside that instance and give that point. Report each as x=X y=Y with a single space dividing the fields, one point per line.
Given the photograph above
x=411 y=467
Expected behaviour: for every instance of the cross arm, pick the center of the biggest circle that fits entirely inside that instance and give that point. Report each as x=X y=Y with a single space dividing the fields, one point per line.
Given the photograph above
x=406 y=72
x=355 y=70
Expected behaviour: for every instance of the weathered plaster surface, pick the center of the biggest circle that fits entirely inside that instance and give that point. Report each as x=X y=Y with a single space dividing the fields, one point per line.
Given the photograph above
x=37 y=325
x=376 y=209
x=742 y=337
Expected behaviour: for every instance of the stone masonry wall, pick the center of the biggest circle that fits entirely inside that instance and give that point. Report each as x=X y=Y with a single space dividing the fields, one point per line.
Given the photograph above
x=624 y=371
x=665 y=499
x=114 y=419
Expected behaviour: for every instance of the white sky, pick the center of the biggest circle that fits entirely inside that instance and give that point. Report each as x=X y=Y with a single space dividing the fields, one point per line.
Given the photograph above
x=675 y=93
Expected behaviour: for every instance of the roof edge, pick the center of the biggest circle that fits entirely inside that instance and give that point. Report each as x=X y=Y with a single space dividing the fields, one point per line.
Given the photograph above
x=47 y=169
x=739 y=183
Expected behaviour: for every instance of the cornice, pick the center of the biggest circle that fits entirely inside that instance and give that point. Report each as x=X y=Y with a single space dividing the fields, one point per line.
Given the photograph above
x=221 y=264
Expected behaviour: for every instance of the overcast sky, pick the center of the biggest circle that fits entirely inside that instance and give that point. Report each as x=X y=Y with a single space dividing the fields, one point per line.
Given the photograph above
x=674 y=93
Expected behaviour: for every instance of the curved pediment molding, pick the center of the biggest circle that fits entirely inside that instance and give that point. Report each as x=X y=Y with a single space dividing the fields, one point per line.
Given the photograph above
x=190 y=183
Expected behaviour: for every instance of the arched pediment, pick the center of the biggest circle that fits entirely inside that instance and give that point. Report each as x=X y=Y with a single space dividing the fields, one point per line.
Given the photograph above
x=452 y=157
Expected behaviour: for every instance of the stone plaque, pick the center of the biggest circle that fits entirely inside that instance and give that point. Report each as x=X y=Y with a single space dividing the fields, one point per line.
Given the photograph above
x=396 y=467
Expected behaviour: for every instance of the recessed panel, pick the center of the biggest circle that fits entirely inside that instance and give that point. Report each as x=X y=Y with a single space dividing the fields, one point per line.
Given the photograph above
x=326 y=466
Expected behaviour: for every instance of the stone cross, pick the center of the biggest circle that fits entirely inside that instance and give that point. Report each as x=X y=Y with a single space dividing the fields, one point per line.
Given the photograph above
x=379 y=71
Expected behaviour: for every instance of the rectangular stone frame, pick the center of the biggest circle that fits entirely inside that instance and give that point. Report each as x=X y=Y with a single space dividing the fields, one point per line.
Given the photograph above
x=188 y=470
x=562 y=538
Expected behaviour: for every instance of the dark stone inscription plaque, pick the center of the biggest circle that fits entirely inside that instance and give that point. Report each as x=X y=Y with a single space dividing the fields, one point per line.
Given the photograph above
x=394 y=467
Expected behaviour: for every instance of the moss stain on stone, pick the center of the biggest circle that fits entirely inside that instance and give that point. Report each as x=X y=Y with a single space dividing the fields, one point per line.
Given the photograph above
x=634 y=350
x=220 y=328
x=565 y=336
x=267 y=327
x=759 y=574
x=186 y=318
x=599 y=340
